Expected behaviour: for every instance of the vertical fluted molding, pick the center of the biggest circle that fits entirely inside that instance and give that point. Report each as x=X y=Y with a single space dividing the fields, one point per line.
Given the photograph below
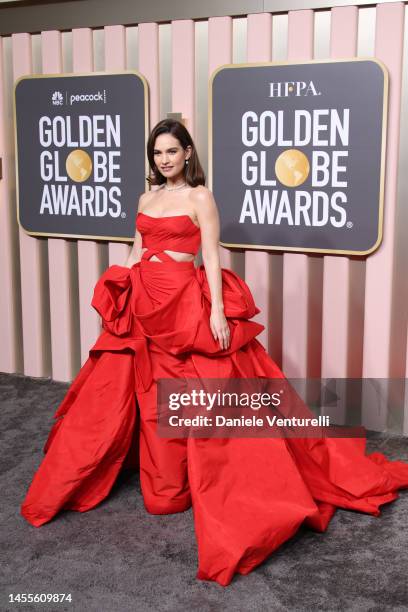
x=33 y=262
x=89 y=252
x=380 y=279
x=11 y=354
x=263 y=269
x=219 y=53
x=298 y=278
x=342 y=324
x=115 y=59
x=61 y=254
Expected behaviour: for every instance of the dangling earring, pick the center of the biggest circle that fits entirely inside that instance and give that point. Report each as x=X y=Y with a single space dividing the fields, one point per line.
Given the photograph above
x=186 y=162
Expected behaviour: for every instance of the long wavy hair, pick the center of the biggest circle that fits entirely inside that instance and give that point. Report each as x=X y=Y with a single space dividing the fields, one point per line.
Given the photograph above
x=193 y=172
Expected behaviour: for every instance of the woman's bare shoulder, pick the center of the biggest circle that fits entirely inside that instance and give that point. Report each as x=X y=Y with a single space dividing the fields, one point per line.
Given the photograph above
x=204 y=203
x=201 y=192
x=147 y=198
x=203 y=197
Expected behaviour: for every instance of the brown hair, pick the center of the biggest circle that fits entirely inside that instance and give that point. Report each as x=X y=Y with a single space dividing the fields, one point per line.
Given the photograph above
x=193 y=172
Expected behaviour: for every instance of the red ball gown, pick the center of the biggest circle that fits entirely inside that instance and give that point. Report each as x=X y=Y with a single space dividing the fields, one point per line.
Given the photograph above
x=248 y=495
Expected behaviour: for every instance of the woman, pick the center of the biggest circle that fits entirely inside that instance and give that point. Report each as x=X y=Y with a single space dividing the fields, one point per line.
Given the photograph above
x=164 y=318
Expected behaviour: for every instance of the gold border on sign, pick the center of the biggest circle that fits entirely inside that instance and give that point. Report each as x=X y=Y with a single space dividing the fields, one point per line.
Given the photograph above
x=146 y=123
x=264 y=247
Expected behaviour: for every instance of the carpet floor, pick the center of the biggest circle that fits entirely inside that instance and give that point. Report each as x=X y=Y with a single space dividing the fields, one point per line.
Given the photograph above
x=119 y=558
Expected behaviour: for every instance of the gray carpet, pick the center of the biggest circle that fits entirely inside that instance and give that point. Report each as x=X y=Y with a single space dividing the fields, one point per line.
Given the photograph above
x=118 y=558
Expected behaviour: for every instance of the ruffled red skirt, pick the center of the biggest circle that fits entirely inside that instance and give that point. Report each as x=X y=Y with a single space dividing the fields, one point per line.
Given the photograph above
x=248 y=495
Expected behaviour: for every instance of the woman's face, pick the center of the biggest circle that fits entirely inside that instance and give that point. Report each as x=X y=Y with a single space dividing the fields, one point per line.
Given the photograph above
x=169 y=156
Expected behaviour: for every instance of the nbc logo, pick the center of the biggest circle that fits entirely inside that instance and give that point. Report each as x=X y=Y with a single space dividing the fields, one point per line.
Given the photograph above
x=57 y=98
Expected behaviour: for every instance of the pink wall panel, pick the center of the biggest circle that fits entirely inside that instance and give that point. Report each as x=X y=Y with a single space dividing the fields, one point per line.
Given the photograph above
x=60 y=258
x=11 y=354
x=378 y=311
x=342 y=323
x=297 y=324
x=263 y=269
x=148 y=42
x=219 y=53
x=148 y=48
x=183 y=71
x=115 y=59
x=33 y=262
x=89 y=252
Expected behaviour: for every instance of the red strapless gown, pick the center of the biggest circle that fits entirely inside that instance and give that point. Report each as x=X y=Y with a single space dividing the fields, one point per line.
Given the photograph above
x=248 y=495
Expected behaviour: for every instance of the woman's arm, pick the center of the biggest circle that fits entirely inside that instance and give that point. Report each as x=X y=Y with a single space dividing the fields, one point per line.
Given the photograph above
x=135 y=254
x=208 y=218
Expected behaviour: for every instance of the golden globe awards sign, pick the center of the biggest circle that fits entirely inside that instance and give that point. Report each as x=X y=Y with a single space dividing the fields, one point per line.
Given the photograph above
x=80 y=143
x=297 y=154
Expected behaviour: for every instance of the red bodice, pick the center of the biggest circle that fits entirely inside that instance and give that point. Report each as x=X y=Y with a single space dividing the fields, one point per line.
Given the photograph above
x=175 y=233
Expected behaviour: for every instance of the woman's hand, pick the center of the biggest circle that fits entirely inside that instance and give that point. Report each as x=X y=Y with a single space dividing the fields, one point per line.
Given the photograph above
x=219 y=327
